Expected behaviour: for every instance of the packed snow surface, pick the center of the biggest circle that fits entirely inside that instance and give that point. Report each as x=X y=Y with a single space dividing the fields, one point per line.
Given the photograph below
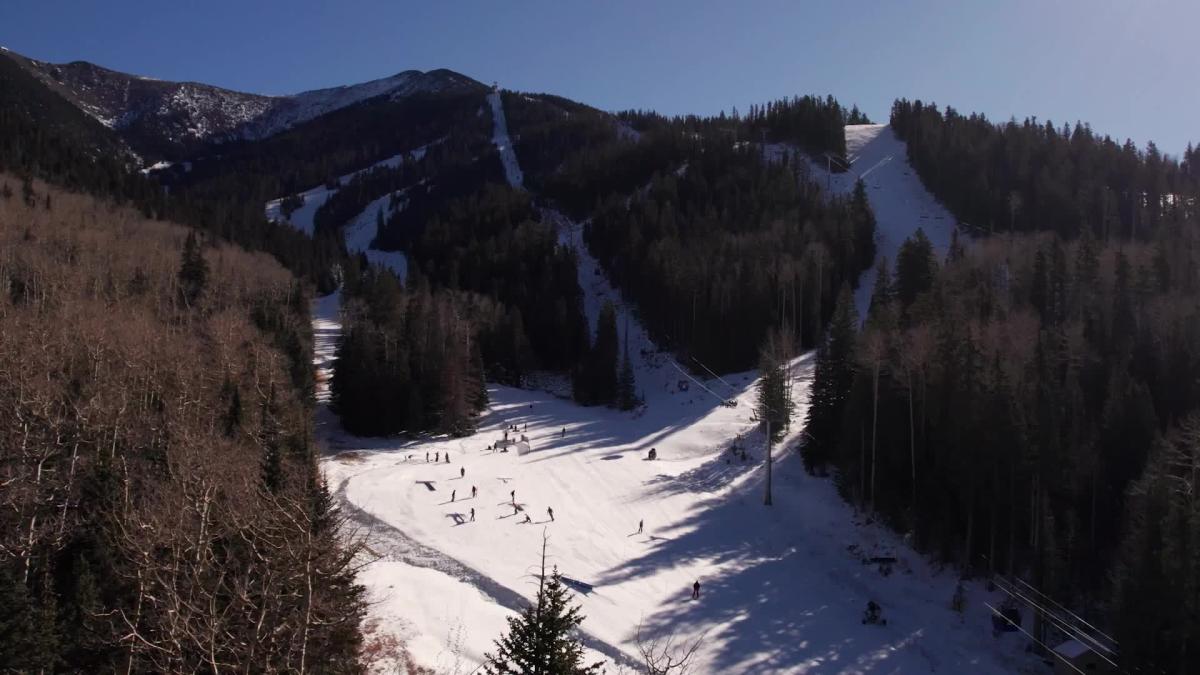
x=512 y=170
x=898 y=198
x=782 y=588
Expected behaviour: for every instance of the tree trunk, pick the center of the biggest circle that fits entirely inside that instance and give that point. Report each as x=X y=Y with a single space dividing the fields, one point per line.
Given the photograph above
x=874 y=427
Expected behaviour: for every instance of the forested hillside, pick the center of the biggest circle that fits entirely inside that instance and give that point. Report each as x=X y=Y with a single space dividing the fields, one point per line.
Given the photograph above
x=162 y=507
x=1027 y=407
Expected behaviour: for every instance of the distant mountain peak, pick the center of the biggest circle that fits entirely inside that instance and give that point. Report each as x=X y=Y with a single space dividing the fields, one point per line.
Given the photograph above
x=155 y=116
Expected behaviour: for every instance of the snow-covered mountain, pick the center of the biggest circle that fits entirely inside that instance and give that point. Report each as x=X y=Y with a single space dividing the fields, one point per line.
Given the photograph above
x=154 y=116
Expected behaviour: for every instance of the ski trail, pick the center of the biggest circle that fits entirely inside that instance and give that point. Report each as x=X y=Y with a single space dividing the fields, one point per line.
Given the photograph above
x=657 y=372
x=508 y=157
x=391 y=543
x=897 y=196
x=384 y=540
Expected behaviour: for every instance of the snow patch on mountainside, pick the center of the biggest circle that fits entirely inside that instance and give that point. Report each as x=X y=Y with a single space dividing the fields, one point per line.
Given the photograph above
x=508 y=157
x=361 y=231
x=898 y=198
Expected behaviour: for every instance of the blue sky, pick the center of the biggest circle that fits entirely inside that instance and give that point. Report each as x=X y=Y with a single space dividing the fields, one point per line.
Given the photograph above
x=1128 y=67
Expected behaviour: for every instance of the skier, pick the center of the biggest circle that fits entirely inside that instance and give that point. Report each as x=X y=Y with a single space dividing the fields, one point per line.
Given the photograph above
x=696 y=590
x=426 y=456
x=452 y=493
x=462 y=472
x=473 y=492
x=526 y=427
x=437 y=456
x=513 y=494
x=640 y=522
x=472 y=514
x=447 y=457
x=872 y=614
x=551 y=512
x=564 y=432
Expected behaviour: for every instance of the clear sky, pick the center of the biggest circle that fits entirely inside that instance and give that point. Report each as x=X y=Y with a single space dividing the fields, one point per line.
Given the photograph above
x=1131 y=68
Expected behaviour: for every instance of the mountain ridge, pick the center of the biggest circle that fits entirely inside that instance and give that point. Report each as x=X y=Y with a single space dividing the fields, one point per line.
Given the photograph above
x=169 y=119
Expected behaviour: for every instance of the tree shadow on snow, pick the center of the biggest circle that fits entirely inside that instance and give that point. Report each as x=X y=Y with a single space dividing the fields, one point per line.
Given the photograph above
x=783 y=607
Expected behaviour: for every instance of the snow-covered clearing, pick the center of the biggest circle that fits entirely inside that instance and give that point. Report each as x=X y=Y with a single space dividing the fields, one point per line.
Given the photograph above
x=899 y=199
x=783 y=588
x=512 y=170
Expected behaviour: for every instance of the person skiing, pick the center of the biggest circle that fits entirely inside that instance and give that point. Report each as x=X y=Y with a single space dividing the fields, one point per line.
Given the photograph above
x=426 y=456
x=564 y=432
x=696 y=590
x=513 y=494
x=437 y=456
x=447 y=457
x=452 y=493
x=473 y=492
x=462 y=472
x=526 y=427
x=472 y=514
x=640 y=523
x=551 y=512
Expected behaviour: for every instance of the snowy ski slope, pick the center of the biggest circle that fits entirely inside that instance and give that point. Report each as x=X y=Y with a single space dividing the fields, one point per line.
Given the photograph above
x=361 y=230
x=512 y=170
x=783 y=588
x=899 y=199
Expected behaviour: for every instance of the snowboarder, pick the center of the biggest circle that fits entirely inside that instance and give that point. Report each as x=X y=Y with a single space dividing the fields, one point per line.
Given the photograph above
x=640 y=522
x=696 y=590
x=462 y=472
x=452 y=493
x=551 y=512
x=472 y=514
x=473 y=492
x=871 y=615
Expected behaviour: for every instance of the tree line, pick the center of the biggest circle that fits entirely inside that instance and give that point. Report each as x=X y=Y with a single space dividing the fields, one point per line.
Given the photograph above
x=1022 y=408
x=1032 y=176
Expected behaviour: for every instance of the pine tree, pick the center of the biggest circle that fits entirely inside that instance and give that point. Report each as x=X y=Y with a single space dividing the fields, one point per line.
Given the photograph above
x=864 y=226
x=193 y=271
x=626 y=381
x=832 y=381
x=271 y=439
x=773 y=404
x=916 y=268
x=543 y=640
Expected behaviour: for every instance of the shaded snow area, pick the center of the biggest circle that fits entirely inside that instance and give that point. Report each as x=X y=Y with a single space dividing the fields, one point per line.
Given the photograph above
x=782 y=588
x=508 y=157
x=899 y=199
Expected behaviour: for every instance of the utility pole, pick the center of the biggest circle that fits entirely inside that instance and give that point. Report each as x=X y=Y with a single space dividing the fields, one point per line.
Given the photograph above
x=767 y=496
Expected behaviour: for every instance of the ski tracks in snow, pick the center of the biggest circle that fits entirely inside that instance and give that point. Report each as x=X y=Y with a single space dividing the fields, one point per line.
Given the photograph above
x=508 y=156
